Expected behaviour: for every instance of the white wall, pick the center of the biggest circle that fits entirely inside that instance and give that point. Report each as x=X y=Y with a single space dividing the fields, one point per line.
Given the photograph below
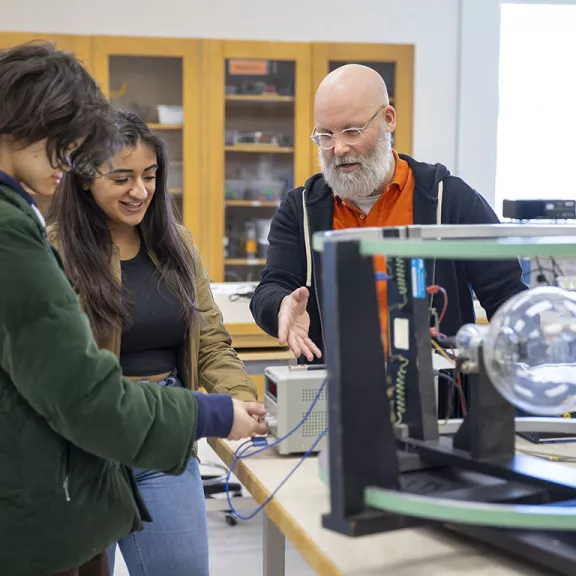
x=478 y=96
x=432 y=25
x=479 y=68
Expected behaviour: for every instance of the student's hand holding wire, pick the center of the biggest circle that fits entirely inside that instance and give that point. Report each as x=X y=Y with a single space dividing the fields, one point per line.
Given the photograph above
x=294 y=323
x=247 y=417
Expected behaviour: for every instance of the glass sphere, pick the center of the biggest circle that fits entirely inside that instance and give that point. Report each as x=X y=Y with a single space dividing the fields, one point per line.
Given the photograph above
x=529 y=351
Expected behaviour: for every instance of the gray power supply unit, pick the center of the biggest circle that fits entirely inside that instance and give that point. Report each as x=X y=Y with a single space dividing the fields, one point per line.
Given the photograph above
x=288 y=393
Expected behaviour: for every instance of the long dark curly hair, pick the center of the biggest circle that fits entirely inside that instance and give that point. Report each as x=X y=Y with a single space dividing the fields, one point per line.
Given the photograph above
x=85 y=242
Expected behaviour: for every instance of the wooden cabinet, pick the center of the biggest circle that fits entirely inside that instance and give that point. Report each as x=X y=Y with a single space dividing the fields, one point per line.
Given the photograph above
x=79 y=45
x=394 y=62
x=258 y=107
x=237 y=117
x=158 y=78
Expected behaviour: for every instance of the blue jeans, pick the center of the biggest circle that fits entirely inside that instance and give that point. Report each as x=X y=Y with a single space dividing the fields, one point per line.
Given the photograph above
x=175 y=543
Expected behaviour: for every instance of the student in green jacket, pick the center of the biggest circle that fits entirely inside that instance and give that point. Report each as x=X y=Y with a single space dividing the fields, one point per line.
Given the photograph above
x=70 y=425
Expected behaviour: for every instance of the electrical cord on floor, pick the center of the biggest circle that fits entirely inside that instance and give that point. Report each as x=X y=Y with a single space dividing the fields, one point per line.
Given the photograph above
x=261 y=444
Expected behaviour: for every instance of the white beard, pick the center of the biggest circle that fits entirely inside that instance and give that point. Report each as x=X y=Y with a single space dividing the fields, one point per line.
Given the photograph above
x=365 y=182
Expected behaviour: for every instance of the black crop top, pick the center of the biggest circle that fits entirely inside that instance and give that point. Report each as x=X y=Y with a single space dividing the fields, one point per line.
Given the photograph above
x=156 y=329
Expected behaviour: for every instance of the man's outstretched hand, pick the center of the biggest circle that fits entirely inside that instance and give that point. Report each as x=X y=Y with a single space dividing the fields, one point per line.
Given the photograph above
x=294 y=323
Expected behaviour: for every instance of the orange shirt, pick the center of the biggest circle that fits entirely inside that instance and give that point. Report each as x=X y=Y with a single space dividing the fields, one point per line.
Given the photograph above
x=393 y=208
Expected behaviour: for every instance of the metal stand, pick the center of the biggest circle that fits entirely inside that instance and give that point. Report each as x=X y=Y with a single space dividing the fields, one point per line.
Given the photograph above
x=479 y=464
x=488 y=430
x=274 y=549
x=361 y=439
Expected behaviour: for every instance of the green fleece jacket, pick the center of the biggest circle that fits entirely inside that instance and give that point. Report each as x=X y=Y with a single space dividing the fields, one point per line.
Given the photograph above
x=69 y=422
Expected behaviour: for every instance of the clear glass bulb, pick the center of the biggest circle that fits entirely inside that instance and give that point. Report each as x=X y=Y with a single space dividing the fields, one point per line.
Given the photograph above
x=530 y=351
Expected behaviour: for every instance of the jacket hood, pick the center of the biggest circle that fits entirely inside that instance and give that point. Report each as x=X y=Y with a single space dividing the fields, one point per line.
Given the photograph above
x=427 y=177
x=316 y=189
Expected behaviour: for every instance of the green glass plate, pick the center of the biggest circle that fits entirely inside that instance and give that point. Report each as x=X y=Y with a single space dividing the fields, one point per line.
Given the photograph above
x=521 y=516
x=488 y=249
x=444 y=510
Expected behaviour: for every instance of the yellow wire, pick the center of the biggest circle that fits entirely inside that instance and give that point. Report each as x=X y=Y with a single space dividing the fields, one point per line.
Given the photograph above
x=545 y=456
x=442 y=353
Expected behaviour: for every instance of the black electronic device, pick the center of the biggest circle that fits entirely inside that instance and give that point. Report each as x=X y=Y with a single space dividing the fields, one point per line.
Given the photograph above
x=539 y=209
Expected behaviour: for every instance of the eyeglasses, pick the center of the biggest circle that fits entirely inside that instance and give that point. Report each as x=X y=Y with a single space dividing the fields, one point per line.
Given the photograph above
x=350 y=136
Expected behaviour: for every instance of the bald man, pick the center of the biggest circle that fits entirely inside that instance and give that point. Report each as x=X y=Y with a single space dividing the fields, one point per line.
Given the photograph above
x=364 y=182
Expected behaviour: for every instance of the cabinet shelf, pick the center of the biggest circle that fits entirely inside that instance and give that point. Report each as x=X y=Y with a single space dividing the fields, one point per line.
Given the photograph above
x=165 y=127
x=259 y=148
x=259 y=98
x=253 y=203
x=245 y=261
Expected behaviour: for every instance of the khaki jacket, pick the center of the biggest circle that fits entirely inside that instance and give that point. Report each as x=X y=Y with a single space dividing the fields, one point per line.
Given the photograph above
x=207 y=359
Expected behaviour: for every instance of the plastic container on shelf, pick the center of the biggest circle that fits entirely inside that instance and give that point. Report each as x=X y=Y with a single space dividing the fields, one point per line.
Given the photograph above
x=230 y=137
x=170 y=114
x=257 y=137
x=175 y=178
x=262 y=229
x=251 y=243
x=235 y=189
x=266 y=190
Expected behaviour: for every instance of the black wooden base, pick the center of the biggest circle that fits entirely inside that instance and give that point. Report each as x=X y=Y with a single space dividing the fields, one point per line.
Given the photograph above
x=434 y=469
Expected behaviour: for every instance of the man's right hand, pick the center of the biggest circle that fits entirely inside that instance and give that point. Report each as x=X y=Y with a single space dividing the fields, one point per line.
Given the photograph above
x=246 y=423
x=294 y=323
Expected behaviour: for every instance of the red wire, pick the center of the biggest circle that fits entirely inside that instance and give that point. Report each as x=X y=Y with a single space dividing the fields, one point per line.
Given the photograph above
x=445 y=307
x=461 y=394
x=460 y=390
x=434 y=289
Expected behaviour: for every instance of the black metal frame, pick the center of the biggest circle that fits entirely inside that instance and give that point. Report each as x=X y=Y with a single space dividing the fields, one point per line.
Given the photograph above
x=478 y=464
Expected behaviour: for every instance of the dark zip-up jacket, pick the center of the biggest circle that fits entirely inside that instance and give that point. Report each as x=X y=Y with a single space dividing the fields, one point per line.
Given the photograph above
x=69 y=423
x=291 y=263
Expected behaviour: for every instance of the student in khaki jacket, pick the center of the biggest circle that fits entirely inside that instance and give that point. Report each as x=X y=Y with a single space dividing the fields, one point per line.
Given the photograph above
x=141 y=282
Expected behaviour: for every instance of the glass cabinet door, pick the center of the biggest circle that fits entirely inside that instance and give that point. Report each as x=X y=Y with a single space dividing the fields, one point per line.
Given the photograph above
x=151 y=86
x=154 y=78
x=261 y=123
x=394 y=62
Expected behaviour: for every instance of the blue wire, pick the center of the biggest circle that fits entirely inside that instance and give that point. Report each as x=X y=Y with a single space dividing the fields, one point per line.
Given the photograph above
x=272 y=496
x=243 y=448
